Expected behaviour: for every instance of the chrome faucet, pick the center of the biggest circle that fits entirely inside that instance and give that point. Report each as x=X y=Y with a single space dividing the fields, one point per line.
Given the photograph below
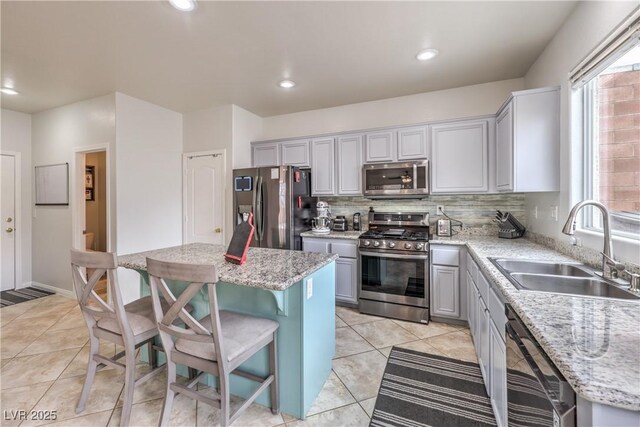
x=611 y=268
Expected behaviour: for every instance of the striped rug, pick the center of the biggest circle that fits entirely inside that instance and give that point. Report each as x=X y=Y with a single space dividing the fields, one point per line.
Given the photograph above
x=420 y=389
x=16 y=296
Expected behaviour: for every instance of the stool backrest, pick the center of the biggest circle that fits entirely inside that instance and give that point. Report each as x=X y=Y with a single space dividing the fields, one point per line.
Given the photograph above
x=93 y=307
x=197 y=276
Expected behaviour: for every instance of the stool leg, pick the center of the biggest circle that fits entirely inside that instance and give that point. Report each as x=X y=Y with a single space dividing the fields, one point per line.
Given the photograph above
x=91 y=373
x=129 y=386
x=153 y=357
x=224 y=399
x=170 y=394
x=273 y=367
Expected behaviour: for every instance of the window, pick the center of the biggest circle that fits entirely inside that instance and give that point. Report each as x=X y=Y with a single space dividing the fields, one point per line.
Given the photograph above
x=610 y=98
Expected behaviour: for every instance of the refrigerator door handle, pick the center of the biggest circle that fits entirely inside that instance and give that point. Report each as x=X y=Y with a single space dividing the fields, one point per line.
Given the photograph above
x=260 y=208
x=256 y=206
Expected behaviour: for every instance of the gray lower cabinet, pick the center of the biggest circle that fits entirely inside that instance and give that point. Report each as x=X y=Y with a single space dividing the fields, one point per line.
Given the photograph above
x=346 y=264
x=487 y=323
x=448 y=295
x=346 y=278
x=498 y=354
x=445 y=299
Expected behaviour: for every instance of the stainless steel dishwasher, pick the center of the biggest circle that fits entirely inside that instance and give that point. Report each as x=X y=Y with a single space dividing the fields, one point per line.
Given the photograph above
x=537 y=393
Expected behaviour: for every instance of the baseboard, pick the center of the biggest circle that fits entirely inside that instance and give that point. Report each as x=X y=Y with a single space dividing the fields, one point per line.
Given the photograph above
x=62 y=292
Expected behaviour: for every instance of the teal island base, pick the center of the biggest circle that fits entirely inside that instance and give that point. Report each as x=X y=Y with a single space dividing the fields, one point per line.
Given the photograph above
x=306 y=336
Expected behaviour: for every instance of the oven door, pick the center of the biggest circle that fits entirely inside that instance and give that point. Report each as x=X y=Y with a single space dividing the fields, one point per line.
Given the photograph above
x=537 y=393
x=397 y=278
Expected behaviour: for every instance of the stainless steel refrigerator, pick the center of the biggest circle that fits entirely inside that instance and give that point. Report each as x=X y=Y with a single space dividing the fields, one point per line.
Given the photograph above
x=281 y=203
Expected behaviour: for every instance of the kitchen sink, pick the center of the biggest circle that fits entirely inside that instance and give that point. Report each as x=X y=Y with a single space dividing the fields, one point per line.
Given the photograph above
x=541 y=267
x=571 y=285
x=564 y=278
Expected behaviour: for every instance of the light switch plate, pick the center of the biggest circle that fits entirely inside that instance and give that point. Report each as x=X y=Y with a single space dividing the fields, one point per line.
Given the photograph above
x=309 y=288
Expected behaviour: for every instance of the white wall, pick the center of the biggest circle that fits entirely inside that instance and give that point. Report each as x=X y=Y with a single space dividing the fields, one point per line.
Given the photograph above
x=148 y=181
x=438 y=105
x=589 y=24
x=55 y=133
x=212 y=129
x=247 y=127
x=16 y=136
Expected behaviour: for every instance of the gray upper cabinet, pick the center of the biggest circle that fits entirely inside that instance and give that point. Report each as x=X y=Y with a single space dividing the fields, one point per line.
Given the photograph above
x=266 y=154
x=460 y=157
x=380 y=146
x=412 y=143
x=295 y=153
x=528 y=142
x=323 y=155
x=504 y=149
x=349 y=161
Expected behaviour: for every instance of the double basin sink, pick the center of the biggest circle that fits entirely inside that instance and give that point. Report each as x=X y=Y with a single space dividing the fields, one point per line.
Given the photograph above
x=565 y=278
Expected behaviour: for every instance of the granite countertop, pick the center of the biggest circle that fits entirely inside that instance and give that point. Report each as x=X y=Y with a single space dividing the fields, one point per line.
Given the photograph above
x=348 y=235
x=594 y=342
x=272 y=269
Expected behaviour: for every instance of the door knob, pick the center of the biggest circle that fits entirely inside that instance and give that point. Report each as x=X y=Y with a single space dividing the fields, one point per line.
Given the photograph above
x=218 y=230
x=9 y=219
x=9 y=230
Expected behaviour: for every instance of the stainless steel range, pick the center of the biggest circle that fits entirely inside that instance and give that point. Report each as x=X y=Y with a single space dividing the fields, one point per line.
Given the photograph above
x=394 y=266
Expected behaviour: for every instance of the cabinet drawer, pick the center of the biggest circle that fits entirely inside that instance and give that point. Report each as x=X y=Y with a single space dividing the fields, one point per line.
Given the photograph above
x=445 y=256
x=483 y=286
x=344 y=250
x=496 y=309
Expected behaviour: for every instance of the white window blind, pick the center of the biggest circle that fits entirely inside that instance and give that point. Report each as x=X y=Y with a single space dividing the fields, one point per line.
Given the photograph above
x=617 y=43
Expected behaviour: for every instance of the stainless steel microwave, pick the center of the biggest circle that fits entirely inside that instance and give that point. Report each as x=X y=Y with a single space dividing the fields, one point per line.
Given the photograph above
x=396 y=180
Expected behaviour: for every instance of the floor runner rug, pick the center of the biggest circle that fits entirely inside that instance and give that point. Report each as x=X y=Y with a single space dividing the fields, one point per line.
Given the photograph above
x=16 y=296
x=420 y=389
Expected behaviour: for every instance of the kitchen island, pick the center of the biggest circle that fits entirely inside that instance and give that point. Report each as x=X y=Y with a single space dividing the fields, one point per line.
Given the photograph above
x=296 y=289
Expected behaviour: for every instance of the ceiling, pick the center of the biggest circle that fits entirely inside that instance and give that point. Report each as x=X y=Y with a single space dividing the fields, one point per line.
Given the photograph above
x=338 y=53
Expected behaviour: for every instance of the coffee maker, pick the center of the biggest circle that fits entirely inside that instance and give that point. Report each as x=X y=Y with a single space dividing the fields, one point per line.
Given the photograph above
x=322 y=223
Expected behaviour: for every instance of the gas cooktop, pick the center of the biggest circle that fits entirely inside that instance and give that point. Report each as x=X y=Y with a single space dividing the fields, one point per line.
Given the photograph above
x=406 y=232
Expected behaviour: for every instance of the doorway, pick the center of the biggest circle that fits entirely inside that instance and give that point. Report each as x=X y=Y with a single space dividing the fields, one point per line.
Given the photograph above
x=91 y=201
x=204 y=197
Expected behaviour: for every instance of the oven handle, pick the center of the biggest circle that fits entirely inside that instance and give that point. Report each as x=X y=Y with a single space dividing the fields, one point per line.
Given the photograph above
x=395 y=256
x=561 y=408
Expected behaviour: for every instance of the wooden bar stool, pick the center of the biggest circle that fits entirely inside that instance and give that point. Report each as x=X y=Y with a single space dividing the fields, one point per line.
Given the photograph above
x=131 y=326
x=217 y=344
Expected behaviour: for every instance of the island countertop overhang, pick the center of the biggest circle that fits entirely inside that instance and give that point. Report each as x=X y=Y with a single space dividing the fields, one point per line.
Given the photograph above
x=271 y=269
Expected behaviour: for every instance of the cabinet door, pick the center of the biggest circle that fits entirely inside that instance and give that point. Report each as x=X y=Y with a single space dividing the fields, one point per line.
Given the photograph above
x=504 y=149
x=295 y=153
x=412 y=143
x=471 y=305
x=266 y=155
x=460 y=157
x=321 y=246
x=347 y=280
x=484 y=356
x=350 y=165
x=380 y=147
x=445 y=298
x=323 y=181
x=498 y=376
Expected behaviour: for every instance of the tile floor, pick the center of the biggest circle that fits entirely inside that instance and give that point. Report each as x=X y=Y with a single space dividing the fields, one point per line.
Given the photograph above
x=43 y=353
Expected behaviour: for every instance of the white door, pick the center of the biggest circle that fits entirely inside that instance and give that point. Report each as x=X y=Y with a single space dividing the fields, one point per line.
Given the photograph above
x=7 y=212
x=204 y=199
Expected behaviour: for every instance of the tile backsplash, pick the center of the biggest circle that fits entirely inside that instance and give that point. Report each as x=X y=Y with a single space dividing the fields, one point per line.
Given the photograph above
x=474 y=211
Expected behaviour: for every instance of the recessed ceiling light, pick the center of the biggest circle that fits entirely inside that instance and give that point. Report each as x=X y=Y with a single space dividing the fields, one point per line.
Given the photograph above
x=287 y=84
x=183 y=5
x=9 y=91
x=425 y=55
